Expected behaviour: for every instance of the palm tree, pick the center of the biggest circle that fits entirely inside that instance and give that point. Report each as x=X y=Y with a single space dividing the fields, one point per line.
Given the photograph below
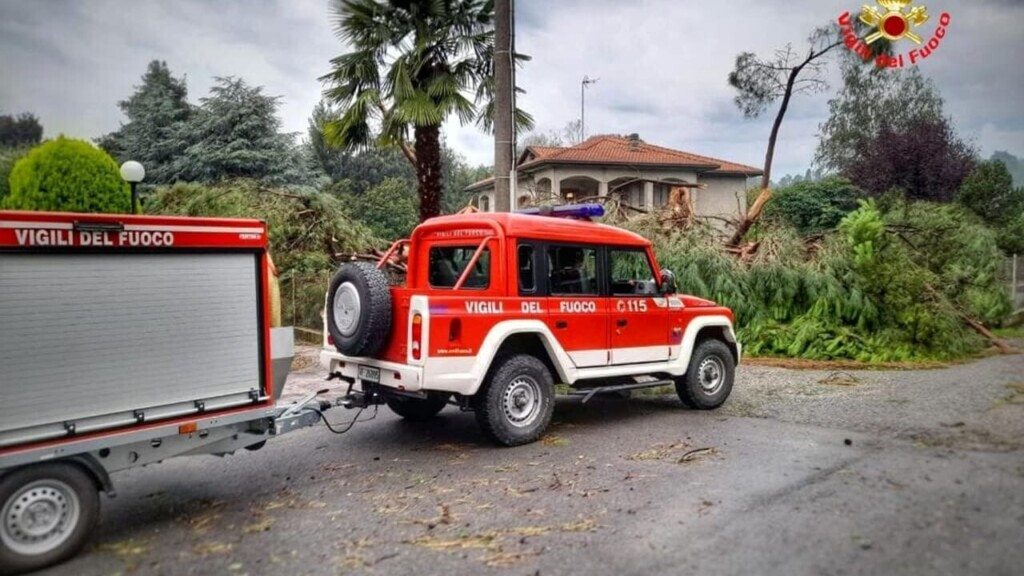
x=412 y=64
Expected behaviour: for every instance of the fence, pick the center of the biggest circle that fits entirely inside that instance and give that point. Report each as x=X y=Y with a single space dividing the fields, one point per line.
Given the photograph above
x=1013 y=273
x=302 y=302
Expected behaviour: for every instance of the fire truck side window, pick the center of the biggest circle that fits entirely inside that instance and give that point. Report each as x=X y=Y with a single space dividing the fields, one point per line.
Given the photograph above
x=526 y=266
x=572 y=270
x=631 y=273
x=448 y=262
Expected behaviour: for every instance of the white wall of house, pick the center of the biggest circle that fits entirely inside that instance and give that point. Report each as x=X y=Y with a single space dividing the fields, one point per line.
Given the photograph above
x=724 y=196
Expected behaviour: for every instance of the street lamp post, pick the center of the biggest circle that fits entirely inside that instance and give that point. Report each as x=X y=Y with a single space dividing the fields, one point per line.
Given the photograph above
x=583 y=86
x=133 y=173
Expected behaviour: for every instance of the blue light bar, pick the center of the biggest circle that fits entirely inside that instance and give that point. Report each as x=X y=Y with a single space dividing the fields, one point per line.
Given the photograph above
x=567 y=211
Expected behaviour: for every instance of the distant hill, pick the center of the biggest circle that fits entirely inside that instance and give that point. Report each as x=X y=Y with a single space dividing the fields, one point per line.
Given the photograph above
x=1014 y=164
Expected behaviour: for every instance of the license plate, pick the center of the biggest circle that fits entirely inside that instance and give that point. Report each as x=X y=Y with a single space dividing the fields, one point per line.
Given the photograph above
x=369 y=374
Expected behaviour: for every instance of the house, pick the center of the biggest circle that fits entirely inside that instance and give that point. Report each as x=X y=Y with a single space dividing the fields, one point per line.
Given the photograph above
x=639 y=173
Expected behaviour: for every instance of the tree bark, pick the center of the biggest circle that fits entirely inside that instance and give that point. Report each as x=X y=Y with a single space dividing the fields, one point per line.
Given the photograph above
x=766 y=192
x=503 y=113
x=428 y=170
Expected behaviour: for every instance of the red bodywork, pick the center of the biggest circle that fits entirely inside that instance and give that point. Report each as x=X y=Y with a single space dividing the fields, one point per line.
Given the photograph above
x=68 y=232
x=594 y=334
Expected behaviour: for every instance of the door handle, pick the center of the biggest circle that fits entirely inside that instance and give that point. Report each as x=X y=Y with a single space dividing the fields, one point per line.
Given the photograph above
x=561 y=324
x=621 y=322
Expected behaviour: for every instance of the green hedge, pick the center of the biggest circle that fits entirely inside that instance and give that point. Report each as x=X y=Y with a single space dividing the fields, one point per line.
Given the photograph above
x=66 y=175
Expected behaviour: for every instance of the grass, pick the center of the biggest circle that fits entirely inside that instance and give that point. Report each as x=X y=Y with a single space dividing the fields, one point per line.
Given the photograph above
x=1015 y=332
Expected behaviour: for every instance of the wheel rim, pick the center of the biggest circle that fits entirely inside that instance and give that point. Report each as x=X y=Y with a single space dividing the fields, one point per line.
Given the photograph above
x=711 y=373
x=40 y=517
x=522 y=401
x=346 y=309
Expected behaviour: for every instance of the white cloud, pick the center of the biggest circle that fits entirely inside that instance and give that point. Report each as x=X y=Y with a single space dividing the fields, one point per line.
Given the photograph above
x=662 y=65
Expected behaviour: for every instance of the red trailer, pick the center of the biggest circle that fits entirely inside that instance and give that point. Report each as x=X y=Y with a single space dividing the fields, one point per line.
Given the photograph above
x=126 y=340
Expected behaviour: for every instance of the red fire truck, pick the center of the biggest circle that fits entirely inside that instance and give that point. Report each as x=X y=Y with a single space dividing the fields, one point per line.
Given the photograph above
x=124 y=341
x=497 y=307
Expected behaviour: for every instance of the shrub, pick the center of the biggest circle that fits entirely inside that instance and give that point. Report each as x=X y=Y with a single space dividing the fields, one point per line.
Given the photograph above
x=390 y=209
x=66 y=175
x=308 y=231
x=988 y=191
x=8 y=157
x=881 y=287
x=814 y=207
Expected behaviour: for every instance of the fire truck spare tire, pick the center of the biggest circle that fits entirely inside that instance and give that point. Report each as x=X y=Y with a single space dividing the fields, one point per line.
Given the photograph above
x=708 y=380
x=418 y=409
x=515 y=403
x=359 y=309
x=49 y=512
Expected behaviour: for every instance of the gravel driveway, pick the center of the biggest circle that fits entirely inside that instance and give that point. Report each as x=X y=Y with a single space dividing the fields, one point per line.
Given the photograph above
x=801 y=472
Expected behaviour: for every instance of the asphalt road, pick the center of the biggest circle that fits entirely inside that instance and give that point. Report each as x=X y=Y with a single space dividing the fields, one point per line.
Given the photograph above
x=800 y=473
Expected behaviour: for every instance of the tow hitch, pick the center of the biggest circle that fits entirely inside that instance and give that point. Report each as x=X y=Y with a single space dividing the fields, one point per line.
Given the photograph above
x=370 y=395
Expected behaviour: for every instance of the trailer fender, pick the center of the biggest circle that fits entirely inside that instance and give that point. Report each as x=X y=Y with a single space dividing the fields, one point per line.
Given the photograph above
x=99 y=474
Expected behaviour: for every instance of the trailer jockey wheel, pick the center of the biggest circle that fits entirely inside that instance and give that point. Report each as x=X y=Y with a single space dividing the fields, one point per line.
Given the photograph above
x=49 y=511
x=359 y=309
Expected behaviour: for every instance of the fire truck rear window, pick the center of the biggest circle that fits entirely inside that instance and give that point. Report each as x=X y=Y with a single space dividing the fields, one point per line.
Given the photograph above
x=448 y=262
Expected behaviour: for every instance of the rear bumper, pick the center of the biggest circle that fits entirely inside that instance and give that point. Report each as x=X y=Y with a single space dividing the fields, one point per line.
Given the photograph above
x=392 y=374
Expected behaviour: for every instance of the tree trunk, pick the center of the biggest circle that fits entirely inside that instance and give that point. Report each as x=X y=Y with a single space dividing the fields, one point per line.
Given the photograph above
x=766 y=192
x=428 y=170
x=504 y=130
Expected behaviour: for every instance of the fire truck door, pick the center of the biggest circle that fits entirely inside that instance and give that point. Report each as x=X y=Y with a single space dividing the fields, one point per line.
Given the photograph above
x=638 y=317
x=577 y=314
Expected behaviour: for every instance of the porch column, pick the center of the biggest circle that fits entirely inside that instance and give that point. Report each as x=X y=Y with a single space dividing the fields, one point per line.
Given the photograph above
x=602 y=188
x=556 y=189
x=649 y=195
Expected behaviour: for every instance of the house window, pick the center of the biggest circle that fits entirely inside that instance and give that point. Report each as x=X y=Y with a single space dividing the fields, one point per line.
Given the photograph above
x=485 y=203
x=661 y=195
x=447 y=263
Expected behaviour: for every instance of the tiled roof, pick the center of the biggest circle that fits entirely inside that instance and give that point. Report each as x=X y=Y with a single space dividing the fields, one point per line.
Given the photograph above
x=619 y=150
x=607 y=149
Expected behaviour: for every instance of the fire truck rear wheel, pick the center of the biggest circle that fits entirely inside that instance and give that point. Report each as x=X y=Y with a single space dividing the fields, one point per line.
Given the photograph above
x=359 y=309
x=49 y=512
x=708 y=381
x=418 y=409
x=515 y=405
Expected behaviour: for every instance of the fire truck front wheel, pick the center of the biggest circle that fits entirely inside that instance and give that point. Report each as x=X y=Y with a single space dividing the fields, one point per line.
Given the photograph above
x=418 y=409
x=49 y=512
x=515 y=405
x=708 y=380
x=359 y=309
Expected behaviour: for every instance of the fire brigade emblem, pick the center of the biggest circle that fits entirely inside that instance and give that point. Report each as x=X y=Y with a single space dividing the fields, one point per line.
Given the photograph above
x=894 y=24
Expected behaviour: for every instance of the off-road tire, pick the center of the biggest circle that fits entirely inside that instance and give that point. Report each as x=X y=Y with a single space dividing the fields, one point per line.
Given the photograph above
x=697 y=389
x=359 y=309
x=418 y=409
x=55 y=485
x=509 y=381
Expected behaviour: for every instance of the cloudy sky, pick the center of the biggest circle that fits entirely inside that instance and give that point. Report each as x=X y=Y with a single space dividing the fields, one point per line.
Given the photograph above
x=662 y=65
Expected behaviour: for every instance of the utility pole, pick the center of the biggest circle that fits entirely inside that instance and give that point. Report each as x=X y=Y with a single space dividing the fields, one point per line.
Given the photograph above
x=583 y=104
x=504 y=127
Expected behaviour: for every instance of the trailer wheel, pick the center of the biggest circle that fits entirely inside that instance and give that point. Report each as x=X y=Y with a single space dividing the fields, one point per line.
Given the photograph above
x=708 y=380
x=48 y=513
x=359 y=309
x=417 y=409
x=515 y=405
